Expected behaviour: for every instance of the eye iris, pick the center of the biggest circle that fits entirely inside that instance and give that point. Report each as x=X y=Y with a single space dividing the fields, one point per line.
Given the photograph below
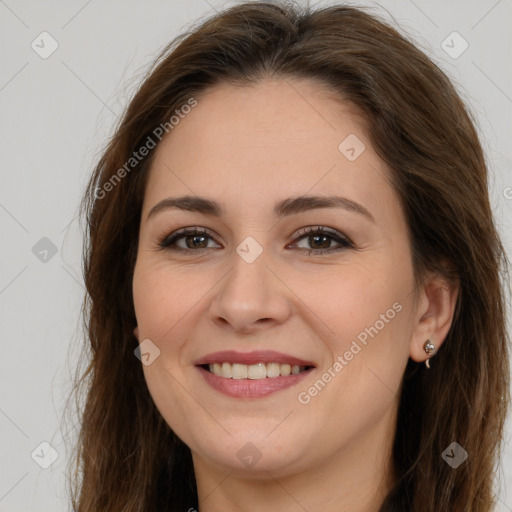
x=195 y=238
x=325 y=244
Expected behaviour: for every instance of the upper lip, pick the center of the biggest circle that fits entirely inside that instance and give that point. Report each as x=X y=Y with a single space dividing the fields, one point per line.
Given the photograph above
x=249 y=358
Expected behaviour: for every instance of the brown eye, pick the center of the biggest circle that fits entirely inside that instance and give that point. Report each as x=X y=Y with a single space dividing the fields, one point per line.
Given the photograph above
x=195 y=240
x=320 y=239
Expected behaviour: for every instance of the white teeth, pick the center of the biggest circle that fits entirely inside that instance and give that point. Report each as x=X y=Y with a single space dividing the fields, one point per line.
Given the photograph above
x=226 y=371
x=273 y=369
x=285 y=370
x=254 y=371
x=257 y=371
x=239 y=371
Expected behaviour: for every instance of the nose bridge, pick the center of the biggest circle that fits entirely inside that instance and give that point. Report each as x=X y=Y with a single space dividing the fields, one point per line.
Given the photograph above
x=250 y=292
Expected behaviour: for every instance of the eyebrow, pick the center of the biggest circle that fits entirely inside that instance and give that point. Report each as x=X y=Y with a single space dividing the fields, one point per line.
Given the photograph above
x=284 y=208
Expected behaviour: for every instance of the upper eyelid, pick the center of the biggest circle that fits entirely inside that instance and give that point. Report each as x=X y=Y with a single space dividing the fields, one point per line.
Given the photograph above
x=188 y=231
x=298 y=234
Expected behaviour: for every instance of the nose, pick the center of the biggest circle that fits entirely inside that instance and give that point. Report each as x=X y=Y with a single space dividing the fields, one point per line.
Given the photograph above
x=250 y=297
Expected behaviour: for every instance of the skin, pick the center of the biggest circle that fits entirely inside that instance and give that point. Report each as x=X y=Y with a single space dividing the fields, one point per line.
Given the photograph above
x=247 y=148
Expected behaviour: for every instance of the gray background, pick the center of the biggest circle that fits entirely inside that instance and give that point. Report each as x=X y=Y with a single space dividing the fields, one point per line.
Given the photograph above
x=56 y=115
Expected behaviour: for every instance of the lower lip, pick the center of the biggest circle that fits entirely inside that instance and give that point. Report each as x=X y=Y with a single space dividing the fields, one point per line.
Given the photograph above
x=251 y=388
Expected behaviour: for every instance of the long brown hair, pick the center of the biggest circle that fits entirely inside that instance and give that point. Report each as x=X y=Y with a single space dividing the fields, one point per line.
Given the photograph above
x=127 y=458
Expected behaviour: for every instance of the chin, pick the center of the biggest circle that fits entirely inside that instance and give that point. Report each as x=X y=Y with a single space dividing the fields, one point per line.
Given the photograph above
x=255 y=456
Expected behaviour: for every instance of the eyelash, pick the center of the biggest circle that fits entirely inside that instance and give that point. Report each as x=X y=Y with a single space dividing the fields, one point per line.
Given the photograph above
x=166 y=241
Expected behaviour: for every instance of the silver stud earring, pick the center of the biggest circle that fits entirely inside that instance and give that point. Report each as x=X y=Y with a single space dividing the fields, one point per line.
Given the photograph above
x=429 y=348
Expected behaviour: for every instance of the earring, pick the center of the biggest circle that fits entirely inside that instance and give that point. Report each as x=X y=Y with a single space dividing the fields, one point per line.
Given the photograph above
x=429 y=347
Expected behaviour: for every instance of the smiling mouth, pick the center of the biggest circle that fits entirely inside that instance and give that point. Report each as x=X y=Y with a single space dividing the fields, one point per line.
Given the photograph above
x=254 y=371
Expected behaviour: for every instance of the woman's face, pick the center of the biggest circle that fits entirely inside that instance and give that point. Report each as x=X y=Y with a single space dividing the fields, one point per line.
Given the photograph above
x=276 y=280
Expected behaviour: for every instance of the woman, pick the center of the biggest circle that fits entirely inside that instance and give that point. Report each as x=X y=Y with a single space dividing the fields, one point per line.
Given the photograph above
x=293 y=278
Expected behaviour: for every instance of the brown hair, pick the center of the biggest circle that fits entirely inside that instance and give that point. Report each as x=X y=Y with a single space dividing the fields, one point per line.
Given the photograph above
x=127 y=458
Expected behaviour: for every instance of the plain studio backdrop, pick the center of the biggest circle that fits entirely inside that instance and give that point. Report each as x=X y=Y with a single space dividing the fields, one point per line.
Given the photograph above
x=67 y=71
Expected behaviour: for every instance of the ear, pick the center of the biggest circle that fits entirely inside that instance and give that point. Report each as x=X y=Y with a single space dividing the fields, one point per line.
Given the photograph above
x=136 y=332
x=435 y=308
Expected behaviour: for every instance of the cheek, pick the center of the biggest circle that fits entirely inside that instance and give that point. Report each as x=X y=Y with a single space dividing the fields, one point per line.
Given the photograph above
x=163 y=297
x=358 y=300
x=365 y=308
x=164 y=303
x=170 y=395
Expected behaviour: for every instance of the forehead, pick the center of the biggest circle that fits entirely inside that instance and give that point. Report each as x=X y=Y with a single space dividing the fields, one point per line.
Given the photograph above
x=274 y=138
